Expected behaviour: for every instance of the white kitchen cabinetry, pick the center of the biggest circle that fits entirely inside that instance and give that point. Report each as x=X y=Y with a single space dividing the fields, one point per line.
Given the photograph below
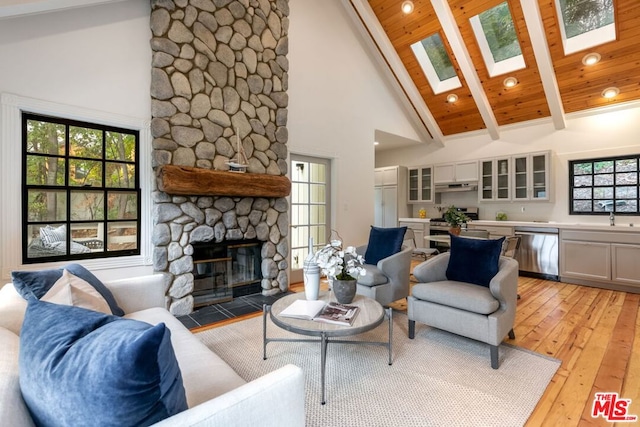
x=495 y=180
x=598 y=257
x=456 y=172
x=495 y=231
x=626 y=265
x=531 y=176
x=586 y=260
x=390 y=195
x=421 y=189
x=420 y=230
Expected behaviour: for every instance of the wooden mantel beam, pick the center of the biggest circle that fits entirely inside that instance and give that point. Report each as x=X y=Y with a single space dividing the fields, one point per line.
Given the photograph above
x=190 y=181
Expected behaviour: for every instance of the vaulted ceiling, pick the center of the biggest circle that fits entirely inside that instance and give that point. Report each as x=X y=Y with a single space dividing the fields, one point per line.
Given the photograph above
x=551 y=85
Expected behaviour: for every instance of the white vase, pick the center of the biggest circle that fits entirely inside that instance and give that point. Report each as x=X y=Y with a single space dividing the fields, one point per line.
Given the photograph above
x=311 y=275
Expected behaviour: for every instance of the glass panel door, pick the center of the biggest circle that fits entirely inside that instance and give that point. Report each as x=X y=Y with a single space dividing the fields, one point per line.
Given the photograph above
x=539 y=176
x=310 y=209
x=487 y=180
x=426 y=184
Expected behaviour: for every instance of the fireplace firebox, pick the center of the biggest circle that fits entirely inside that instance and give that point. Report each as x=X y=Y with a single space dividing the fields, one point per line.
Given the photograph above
x=225 y=270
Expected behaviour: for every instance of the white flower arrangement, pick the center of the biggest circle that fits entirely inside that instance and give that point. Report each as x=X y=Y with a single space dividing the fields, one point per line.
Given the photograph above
x=339 y=263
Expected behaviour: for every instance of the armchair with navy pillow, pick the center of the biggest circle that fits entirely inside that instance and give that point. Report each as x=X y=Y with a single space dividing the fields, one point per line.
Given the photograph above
x=387 y=265
x=470 y=291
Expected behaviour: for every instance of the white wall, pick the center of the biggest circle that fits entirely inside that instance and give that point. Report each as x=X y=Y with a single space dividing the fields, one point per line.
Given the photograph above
x=96 y=58
x=602 y=133
x=337 y=99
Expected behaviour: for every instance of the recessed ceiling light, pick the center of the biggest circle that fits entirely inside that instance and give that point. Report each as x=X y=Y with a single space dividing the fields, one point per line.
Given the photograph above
x=375 y=143
x=452 y=97
x=610 y=92
x=591 y=58
x=407 y=7
x=510 y=82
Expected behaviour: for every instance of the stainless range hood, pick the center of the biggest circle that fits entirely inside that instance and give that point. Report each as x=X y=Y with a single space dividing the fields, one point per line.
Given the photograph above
x=448 y=188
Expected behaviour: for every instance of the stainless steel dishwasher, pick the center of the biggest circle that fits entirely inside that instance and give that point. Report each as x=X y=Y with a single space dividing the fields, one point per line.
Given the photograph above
x=538 y=253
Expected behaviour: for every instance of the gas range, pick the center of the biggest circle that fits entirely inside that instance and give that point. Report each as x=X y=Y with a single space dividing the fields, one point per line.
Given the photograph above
x=439 y=224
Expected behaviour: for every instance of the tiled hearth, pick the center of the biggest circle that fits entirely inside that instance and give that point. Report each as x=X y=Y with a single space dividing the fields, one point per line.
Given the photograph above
x=228 y=310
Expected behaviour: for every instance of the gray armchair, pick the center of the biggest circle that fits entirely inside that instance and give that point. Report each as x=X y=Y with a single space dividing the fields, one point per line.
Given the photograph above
x=388 y=280
x=473 y=311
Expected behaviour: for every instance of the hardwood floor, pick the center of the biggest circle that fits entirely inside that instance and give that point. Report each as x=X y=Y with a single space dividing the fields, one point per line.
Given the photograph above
x=596 y=335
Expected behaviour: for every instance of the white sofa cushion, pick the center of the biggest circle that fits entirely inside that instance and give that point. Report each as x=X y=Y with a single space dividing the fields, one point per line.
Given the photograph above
x=204 y=374
x=13 y=411
x=12 y=308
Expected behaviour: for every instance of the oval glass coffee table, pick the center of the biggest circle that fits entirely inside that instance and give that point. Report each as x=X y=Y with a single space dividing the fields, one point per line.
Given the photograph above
x=370 y=316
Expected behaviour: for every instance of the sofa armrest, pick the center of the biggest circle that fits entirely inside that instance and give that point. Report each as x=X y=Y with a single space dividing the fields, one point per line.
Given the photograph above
x=432 y=270
x=139 y=293
x=273 y=400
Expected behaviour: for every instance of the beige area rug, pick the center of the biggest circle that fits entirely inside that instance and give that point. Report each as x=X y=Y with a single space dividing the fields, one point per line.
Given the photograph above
x=437 y=379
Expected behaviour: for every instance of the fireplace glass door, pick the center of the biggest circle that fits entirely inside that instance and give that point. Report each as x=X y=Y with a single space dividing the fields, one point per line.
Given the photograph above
x=222 y=271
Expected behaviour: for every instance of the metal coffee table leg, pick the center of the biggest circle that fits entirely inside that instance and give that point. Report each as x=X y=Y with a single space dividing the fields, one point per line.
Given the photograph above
x=265 y=310
x=323 y=362
x=390 y=314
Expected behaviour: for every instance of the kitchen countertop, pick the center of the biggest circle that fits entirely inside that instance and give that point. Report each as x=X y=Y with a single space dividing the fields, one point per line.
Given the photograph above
x=619 y=227
x=414 y=219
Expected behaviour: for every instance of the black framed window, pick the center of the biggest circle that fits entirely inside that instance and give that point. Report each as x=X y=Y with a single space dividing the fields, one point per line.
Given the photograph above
x=81 y=190
x=604 y=185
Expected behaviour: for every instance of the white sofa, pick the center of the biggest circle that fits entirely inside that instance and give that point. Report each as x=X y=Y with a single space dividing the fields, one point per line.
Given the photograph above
x=216 y=395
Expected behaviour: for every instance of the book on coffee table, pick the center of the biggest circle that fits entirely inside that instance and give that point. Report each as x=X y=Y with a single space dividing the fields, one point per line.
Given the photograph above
x=320 y=311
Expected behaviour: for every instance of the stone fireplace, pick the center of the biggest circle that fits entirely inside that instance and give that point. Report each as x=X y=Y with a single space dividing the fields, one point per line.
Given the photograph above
x=219 y=81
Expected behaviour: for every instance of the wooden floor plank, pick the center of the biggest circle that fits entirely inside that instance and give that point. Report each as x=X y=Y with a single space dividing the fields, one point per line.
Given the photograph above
x=631 y=384
x=614 y=364
x=568 y=407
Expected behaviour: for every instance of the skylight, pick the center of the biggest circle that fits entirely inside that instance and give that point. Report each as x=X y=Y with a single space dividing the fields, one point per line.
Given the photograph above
x=585 y=23
x=436 y=64
x=498 y=40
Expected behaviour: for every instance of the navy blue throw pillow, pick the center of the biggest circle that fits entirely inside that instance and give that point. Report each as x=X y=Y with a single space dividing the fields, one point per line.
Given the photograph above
x=79 y=367
x=474 y=260
x=34 y=284
x=383 y=242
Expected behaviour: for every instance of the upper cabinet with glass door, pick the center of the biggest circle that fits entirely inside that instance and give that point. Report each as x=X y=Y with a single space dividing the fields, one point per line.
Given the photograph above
x=420 y=184
x=495 y=180
x=531 y=176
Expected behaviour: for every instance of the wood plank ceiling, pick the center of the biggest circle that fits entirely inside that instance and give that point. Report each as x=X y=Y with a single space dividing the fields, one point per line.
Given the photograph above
x=570 y=85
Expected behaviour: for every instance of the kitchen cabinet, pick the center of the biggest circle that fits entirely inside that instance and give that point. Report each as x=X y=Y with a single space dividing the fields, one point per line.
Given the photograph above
x=530 y=179
x=495 y=231
x=598 y=257
x=495 y=179
x=420 y=230
x=449 y=173
x=625 y=267
x=386 y=175
x=585 y=260
x=390 y=195
x=420 y=184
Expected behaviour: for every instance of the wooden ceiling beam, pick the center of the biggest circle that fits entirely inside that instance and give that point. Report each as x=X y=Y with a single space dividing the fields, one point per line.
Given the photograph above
x=451 y=30
x=536 y=30
x=380 y=46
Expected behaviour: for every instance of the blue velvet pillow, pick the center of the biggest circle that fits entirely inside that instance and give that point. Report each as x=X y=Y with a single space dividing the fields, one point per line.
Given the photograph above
x=474 y=260
x=32 y=284
x=79 y=367
x=383 y=242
